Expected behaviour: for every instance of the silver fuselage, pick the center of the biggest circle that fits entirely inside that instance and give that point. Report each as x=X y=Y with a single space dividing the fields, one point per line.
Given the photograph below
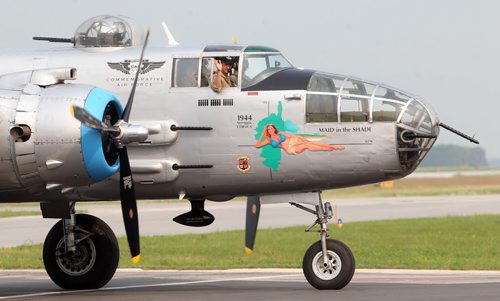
x=374 y=149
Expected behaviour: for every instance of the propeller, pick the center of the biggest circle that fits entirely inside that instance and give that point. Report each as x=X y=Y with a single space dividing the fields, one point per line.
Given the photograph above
x=122 y=133
x=127 y=190
x=252 y=219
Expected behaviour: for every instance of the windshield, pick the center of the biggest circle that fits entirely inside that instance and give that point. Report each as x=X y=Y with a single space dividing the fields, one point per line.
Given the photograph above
x=259 y=66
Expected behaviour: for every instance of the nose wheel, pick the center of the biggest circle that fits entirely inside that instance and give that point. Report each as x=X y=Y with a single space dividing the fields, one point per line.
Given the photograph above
x=336 y=273
x=328 y=263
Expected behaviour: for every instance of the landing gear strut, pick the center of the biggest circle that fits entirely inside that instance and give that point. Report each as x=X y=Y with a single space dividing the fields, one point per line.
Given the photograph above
x=328 y=263
x=80 y=252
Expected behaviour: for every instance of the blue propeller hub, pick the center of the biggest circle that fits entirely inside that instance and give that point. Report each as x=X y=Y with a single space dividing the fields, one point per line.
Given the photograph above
x=99 y=161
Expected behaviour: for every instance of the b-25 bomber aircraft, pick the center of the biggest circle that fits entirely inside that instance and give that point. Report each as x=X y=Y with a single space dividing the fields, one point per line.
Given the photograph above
x=276 y=133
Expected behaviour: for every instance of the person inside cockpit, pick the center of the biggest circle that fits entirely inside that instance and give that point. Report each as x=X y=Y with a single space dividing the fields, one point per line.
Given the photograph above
x=223 y=77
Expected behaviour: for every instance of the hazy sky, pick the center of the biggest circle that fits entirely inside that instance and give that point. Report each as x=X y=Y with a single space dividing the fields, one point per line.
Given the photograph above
x=445 y=51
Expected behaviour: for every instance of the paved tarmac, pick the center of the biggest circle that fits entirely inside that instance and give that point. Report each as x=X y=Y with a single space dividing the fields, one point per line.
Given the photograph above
x=156 y=218
x=259 y=284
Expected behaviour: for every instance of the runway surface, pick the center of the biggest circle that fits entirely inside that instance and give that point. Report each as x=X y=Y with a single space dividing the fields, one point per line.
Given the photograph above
x=259 y=284
x=156 y=218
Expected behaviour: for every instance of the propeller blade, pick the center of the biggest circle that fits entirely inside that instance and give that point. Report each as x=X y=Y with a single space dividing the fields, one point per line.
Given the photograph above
x=128 y=107
x=252 y=219
x=86 y=118
x=127 y=190
x=129 y=206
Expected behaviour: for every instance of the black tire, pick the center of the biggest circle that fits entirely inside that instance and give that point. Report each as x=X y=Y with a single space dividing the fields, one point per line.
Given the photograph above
x=94 y=262
x=341 y=257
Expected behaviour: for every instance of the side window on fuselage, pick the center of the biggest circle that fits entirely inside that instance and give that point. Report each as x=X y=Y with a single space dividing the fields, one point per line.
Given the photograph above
x=185 y=72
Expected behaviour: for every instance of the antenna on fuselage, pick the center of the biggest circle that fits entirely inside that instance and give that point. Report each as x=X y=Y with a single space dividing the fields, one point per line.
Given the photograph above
x=170 y=37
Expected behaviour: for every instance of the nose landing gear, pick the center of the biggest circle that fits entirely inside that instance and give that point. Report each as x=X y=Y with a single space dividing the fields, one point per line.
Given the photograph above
x=328 y=263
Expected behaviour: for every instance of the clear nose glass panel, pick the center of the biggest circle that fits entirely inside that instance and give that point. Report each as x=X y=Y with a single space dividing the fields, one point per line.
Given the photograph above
x=417 y=132
x=337 y=98
x=416 y=116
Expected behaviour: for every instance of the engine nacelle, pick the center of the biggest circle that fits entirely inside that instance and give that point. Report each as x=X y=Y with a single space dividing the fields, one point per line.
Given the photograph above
x=47 y=147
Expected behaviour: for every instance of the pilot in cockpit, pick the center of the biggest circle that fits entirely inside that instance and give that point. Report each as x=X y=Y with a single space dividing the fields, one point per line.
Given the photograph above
x=223 y=77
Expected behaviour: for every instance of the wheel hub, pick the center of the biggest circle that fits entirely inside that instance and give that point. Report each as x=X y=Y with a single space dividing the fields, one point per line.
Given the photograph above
x=78 y=262
x=327 y=271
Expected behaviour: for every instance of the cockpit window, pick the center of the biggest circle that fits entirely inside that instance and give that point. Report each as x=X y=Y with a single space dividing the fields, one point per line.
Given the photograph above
x=188 y=72
x=259 y=66
x=109 y=31
x=207 y=67
x=185 y=72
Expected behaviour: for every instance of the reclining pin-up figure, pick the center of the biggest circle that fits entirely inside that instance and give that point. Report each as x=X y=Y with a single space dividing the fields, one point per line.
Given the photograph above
x=290 y=143
x=223 y=78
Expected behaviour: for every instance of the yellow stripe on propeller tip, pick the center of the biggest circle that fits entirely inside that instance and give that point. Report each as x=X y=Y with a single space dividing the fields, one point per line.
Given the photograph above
x=248 y=251
x=72 y=110
x=136 y=259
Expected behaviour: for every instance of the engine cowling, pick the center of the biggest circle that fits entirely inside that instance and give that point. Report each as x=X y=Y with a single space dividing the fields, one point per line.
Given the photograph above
x=48 y=148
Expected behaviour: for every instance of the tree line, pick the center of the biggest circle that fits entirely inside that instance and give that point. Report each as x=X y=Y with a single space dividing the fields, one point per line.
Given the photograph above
x=455 y=155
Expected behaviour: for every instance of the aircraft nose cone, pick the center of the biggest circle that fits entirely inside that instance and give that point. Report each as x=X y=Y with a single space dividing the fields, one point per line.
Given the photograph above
x=337 y=98
x=417 y=130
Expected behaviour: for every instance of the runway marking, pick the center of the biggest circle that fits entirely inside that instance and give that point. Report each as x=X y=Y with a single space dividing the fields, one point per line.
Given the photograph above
x=42 y=294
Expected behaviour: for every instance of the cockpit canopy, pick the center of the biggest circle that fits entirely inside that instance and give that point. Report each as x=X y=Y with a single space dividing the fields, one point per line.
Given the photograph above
x=109 y=31
x=250 y=66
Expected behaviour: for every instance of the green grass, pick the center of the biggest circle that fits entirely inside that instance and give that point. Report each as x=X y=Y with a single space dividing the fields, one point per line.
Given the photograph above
x=460 y=243
x=456 y=243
